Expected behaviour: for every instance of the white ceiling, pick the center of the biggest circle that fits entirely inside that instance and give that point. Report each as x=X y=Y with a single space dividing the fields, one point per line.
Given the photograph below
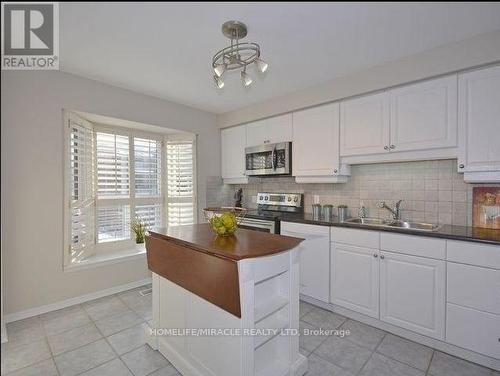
x=165 y=49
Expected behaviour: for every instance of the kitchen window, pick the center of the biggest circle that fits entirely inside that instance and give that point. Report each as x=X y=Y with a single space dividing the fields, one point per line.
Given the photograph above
x=117 y=174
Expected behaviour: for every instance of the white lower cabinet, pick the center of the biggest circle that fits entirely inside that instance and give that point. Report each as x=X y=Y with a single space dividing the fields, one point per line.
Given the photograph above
x=314 y=254
x=354 y=279
x=473 y=330
x=473 y=297
x=443 y=289
x=412 y=293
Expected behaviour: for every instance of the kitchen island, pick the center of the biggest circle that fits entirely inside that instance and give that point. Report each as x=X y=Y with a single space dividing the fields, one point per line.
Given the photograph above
x=225 y=305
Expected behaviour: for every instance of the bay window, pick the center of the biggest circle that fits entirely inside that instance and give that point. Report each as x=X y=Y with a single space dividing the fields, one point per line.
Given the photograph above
x=116 y=175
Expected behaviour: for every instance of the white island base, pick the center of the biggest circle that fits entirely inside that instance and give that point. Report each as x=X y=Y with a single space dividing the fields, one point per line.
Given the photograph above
x=269 y=298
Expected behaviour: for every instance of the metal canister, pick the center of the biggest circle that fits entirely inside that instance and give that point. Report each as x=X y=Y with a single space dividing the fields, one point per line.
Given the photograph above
x=342 y=212
x=316 y=212
x=327 y=212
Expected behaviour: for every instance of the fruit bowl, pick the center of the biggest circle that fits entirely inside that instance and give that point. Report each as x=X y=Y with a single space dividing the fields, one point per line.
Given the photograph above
x=224 y=221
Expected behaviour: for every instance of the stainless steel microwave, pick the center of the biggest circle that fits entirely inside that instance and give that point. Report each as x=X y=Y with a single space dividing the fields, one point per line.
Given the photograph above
x=269 y=159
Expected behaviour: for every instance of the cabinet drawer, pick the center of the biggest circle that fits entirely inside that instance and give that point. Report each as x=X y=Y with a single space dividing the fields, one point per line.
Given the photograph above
x=474 y=287
x=360 y=238
x=413 y=245
x=473 y=330
x=474 y=254
x=304 y=229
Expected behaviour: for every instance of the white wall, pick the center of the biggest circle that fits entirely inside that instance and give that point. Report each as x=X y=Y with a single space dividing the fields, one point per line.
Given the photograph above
x=480 y=50
x=32 y=178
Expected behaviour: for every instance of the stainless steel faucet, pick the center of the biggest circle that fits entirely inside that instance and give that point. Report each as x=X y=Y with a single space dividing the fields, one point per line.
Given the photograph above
x=396 y=212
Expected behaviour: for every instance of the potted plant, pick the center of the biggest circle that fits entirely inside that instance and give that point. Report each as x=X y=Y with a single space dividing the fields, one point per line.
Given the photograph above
x=139 y=228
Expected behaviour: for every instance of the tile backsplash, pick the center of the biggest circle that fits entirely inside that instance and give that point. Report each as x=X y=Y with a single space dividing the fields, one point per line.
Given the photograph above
x=432 y=191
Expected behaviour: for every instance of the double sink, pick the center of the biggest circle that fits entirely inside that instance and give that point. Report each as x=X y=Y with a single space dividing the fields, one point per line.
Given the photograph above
x=376 y=222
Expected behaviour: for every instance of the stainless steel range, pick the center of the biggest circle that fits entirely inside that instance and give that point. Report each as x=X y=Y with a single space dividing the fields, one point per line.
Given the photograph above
x=271 y=208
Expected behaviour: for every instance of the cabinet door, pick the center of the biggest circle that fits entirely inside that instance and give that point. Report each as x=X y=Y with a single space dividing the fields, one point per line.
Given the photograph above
x=233 y=142
x=424 y=115
x=316 y=141
x=279 y=129
x=355 y=278
x=314 y=258
x=479 y=120
x=256 y=133
x=364 y=125
x=412 y=293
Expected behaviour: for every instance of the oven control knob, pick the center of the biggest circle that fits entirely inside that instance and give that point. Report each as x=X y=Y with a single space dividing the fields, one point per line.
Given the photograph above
x=289 y=199
x=267 y=198
x=261 y=198
x=295 y=199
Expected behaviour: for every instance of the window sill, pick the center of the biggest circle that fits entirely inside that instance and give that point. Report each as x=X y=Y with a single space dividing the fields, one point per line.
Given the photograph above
x=109 y=258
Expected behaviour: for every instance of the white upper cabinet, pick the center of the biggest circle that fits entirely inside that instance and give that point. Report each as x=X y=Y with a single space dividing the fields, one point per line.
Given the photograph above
x=315 y=148
x=233 y=143
x=269 y=131
x=413 y=122
x=479 y=125
x=256 y=133
x=424 y=115
x=364 y=125
x=279 y=129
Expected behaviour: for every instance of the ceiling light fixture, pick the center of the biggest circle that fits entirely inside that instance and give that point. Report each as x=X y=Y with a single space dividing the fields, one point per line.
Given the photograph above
x=246 y=80
x=237 y=56
x=218 y=82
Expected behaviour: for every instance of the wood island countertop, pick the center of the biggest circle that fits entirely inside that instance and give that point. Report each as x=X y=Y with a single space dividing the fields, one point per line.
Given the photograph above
x=244 y=244
x=194 y=258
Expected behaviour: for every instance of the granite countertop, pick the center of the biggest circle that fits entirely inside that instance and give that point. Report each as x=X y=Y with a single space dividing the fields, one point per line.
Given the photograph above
x=472 y=234
x=244 y=243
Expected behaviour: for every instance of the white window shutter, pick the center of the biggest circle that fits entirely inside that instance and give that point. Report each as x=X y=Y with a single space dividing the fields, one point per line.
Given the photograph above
x=113 y=165
x=181 y=185
x=147 y=167
x=81 y=188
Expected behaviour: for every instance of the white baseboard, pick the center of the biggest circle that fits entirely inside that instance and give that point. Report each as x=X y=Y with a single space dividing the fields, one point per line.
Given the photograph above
x=72 y=301
x=412 y=336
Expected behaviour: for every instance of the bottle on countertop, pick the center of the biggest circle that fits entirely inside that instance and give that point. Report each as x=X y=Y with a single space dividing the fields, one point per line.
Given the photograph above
x=361 y=210
x=238 y=197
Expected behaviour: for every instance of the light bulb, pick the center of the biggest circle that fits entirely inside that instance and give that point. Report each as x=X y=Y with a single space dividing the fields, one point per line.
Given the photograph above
x=220 y=69
x=261 y=65
x=218 y=82
x=245 y=79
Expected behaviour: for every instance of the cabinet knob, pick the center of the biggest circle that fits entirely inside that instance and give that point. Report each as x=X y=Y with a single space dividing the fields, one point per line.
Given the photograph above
x=382 y=257
x=335 y=171
x=461 y=166
x=392 y=147
x=386 y=147
x=375 y=255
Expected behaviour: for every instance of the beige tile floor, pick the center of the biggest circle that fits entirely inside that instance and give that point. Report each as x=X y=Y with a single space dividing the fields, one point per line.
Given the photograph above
x=105 y=337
